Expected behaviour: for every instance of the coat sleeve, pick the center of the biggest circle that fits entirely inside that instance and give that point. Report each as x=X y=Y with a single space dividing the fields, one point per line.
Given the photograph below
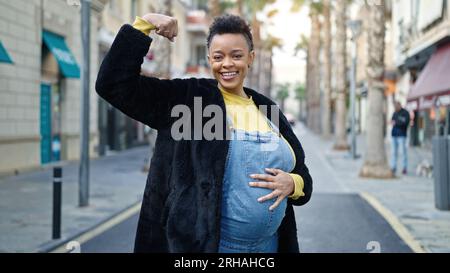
x=119 y=81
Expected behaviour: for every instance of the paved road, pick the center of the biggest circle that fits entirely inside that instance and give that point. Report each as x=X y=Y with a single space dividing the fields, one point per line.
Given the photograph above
x=345 y=223
x=118 y=239
x=330 y=223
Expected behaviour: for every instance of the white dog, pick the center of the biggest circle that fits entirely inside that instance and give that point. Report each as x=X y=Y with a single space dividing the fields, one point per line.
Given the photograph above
x=424 y=169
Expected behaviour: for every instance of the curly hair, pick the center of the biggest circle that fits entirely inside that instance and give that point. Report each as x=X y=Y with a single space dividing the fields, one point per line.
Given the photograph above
x=230 y=24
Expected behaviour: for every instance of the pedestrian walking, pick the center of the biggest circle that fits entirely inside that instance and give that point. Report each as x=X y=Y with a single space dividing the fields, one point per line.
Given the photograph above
x=227 y=194
x=400 y=122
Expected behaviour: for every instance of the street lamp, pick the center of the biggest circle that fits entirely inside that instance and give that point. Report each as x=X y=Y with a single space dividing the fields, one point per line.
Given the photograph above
x=83 y=179
x=355 y=27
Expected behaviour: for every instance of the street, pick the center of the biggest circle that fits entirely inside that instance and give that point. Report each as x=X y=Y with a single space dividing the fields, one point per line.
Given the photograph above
x=331 y=223
x=344 y=223
x=118 y=239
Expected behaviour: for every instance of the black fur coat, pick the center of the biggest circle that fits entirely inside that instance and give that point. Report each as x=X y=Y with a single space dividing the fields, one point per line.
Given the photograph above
x=181 y=205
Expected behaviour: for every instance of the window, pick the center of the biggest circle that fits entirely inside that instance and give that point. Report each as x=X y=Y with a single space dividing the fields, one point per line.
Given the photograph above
x=201 y=55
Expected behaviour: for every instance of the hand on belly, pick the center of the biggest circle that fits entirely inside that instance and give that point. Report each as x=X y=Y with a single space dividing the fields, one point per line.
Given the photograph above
x=279 y=182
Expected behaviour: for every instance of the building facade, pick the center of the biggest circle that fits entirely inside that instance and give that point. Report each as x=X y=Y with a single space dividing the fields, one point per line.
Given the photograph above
x=40 y=90
x=422 y=57
x=187 y=59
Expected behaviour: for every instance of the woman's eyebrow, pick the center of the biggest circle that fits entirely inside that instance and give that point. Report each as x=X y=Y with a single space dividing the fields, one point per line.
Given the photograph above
x=232 y=51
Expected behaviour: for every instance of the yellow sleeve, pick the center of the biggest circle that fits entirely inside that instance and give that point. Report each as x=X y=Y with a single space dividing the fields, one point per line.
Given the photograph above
x=298 y=186
x=143 y=25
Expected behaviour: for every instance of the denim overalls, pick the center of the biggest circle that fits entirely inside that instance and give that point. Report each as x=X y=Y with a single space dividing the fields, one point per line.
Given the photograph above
x=247 y=225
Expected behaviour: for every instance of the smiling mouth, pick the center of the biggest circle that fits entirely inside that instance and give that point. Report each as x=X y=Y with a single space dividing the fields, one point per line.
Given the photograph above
x=229 y=75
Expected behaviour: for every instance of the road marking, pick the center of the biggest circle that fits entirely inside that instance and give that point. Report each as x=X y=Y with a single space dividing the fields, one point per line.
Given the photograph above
x=117 y=219
x=394 y=222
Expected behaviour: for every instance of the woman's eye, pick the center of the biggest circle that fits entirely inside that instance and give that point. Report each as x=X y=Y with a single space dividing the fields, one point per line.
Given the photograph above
x=237 y=56
x=217 y=58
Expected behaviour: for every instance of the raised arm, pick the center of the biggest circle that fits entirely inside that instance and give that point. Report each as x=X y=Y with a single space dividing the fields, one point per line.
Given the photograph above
x=146 y=99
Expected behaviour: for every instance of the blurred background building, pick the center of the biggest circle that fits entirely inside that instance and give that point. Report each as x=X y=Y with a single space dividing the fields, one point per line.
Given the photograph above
x=422 y=56
x=40 y=90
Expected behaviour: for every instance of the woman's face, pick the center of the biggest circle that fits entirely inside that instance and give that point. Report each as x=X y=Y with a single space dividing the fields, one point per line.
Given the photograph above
x=230 y=57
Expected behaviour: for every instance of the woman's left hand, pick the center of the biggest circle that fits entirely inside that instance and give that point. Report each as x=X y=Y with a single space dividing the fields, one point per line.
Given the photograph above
x=279 y=181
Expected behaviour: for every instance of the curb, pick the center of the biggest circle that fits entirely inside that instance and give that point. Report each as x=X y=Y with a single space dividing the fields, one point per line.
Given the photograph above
x=394 y=222
x=62 y=245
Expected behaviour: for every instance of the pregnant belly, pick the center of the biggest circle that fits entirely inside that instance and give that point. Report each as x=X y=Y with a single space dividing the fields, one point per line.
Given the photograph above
x=244 y=218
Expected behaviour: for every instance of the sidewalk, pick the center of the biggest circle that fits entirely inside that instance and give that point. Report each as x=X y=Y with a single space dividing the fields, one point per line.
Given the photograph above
x=409 y=198
x=116 y=183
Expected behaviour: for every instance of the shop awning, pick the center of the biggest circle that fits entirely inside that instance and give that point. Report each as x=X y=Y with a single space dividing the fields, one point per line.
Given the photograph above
x=66 y=62
x=4 y=57
x=434 y=80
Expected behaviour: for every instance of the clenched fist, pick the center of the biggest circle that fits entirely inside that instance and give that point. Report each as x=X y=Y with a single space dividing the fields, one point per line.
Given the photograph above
x=166 y=26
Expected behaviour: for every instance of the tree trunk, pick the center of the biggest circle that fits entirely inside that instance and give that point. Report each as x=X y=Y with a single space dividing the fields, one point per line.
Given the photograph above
x=314 y=72
x=308 y=95
x=269 y=74
x=282 y=102
x=254 y=72
x=375 y=163
x=341 y=76
x=214 y=8
x=162 y=48
x=326 y=99
x=240 y=7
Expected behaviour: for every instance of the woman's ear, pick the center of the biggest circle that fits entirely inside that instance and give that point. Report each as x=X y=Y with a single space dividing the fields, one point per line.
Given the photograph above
x=251 y=58
x=209 y=60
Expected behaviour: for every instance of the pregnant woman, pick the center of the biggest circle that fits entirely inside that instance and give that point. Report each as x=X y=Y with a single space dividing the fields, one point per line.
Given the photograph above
x=230 y=193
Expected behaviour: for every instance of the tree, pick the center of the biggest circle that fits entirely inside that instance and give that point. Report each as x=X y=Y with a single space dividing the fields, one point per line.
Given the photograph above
x=300 y=95
x=240 y=7
x=303 y=45
x=375 y=163
x=314 y=51
x=163 y=47
x=341 y=142
x=253 y=7
x=326 y=98
x=214 y=8
x=269 y=44
x=282 y=94
x=313 y=63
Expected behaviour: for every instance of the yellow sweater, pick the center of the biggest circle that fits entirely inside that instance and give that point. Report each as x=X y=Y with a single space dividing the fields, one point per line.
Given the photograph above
x=243 y=112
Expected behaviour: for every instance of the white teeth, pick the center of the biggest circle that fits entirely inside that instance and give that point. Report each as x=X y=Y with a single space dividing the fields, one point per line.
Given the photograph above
x=229 y=74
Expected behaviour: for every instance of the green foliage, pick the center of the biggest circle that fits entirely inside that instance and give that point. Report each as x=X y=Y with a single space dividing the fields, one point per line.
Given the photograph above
x=272 y=42
x=301 y=45
x=314 y=5
x=225 y=5
x=297 y=5
x=282 y=91
x=300 y=91
x=272 y=13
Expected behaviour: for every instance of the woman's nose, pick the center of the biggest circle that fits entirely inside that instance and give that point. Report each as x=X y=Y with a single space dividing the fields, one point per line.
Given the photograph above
x=227 y=62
